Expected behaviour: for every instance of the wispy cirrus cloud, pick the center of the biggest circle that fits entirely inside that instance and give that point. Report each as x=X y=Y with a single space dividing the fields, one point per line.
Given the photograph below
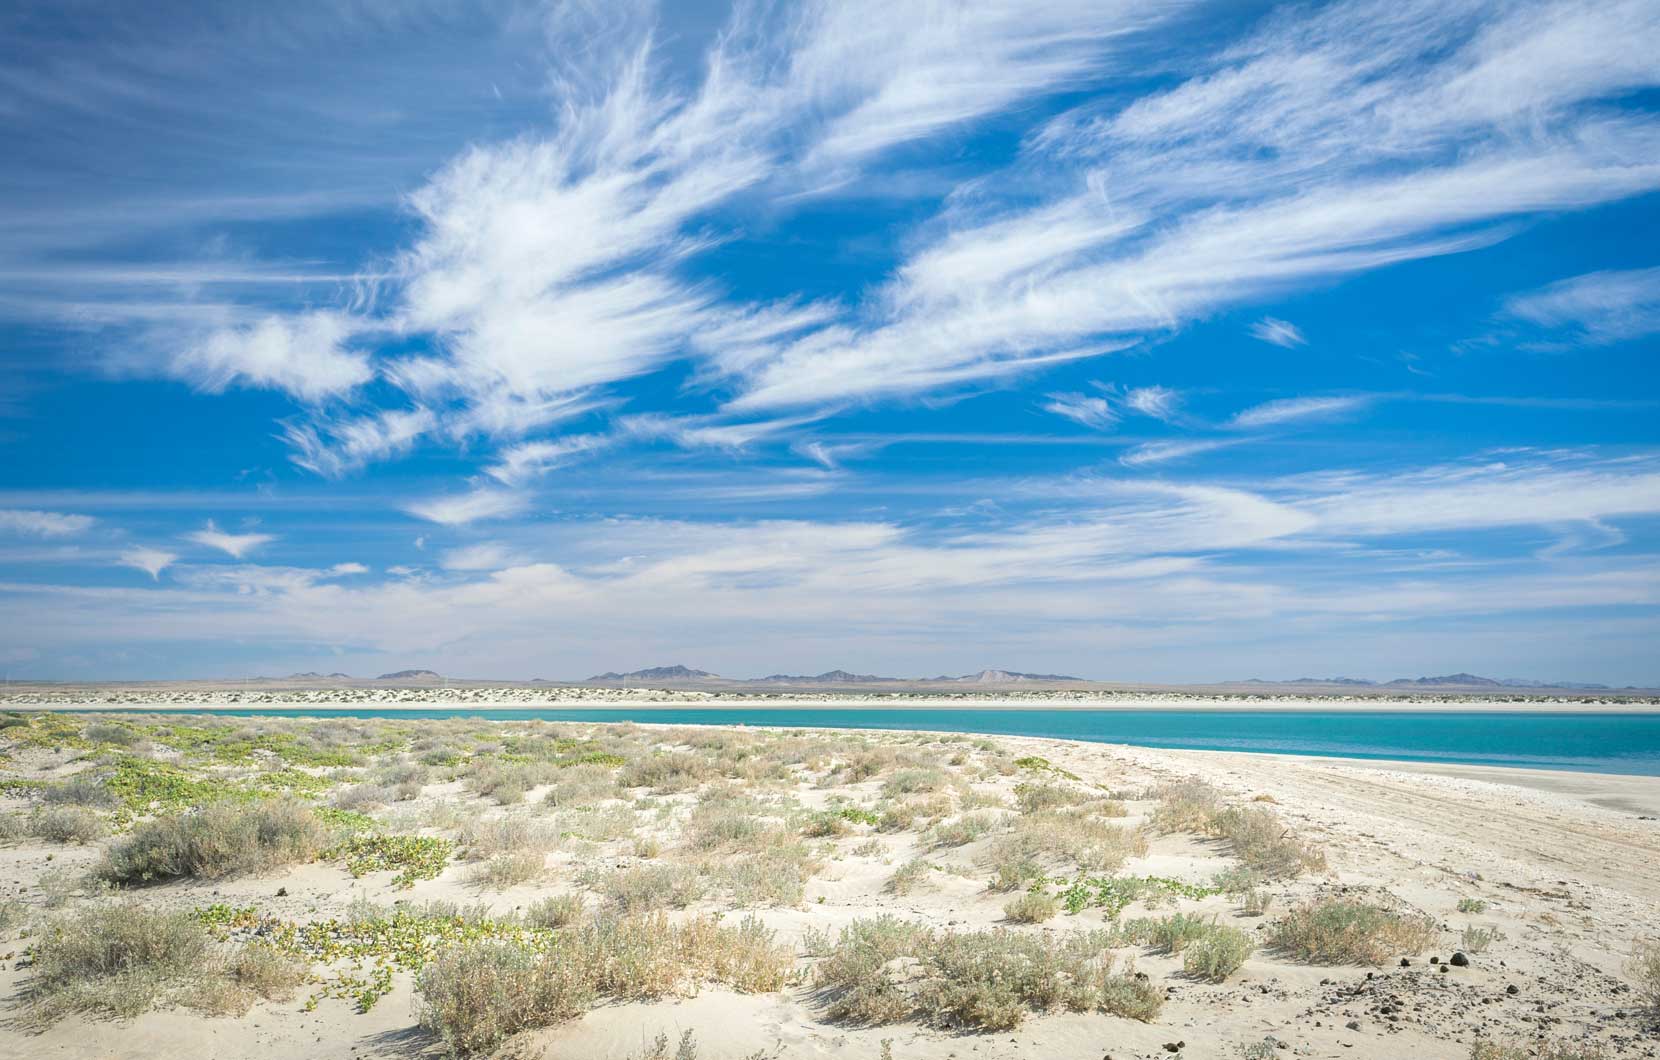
x=151 y=561
x=1164 y=452
x=463 y=508
x=1292 y=410
x=43 y=524
x=1096 y=413
x=1596 y=309
x=237 y=545
x=1278 y=332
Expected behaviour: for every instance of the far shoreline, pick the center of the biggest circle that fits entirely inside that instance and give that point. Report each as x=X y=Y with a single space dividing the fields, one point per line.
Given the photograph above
x=1219 y=704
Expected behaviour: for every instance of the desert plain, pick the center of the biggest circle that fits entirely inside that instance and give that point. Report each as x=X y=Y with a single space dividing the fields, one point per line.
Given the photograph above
x=328 y=887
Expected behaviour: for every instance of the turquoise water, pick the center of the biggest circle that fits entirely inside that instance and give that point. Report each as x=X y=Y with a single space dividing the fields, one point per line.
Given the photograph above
x=1602 y=743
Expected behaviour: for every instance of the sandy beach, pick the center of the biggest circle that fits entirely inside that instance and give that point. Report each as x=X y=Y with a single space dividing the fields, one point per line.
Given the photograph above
x=1554 y=877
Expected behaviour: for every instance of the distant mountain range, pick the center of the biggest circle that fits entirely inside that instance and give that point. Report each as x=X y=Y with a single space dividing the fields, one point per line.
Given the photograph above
x=1458 y=680
x=687 y=677
x=829 y=677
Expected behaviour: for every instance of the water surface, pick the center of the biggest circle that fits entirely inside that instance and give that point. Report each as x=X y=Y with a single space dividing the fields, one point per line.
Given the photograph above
x=1601 y=743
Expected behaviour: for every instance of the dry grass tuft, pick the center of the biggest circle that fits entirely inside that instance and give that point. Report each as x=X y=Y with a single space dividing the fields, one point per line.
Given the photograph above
x=1351 y=931
x=218 y=840
x=885 y=970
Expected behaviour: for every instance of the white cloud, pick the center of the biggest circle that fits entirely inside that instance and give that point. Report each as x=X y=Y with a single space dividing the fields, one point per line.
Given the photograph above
x=1601 y=307
x=43 y=524
x=521 y=463
x=1358 y=136
x=237 y=545
x=335 y=447
x=1165 y=452
x=151 y=561
x=703 y=432
x=345 y=569
x=1278 y=332
x=1093 y=412
x=461 y=509
x=1159 y=402
x=1291 y=410
x=487 y=555
x=306 y=355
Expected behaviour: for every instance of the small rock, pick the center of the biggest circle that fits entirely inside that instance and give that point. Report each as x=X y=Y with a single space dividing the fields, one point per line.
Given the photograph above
x=1512 y=989
x=1459 y=960
x=1353 y=1025
x=1406 y=962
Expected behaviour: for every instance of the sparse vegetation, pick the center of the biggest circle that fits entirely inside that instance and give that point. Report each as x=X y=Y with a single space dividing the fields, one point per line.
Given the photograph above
x=476 y=994
x=218 y=840
x=1033 y=907
x=1351 y=931
x=123 y=959
x=1644 y=969
x=985 y=980
x=1537 y=1050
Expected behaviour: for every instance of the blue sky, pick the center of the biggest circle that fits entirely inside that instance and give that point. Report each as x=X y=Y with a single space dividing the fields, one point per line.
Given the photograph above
x=1142 y=341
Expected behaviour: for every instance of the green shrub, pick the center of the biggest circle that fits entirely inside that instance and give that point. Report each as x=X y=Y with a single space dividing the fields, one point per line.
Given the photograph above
x=1350 y=931
x=1536 y=1050
x=1644 y=969
x=122 y=959
x=510 y=870
x=1033 y=907
x=82 y=789
x=978 y=980
x=474 y=996
x=964 y=830
x=65 y=824
x=554 y=911
x=1472 y=905
x=1217 y=954
x=218 y=840
x=1479 y=939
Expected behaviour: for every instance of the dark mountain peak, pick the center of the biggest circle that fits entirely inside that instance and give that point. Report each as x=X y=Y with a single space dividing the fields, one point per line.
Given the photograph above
x=655 y=673
x=1459 y=680
x=986 y=677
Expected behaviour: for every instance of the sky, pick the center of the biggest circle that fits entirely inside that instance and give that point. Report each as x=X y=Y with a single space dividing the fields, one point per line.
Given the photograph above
x=1161 y=341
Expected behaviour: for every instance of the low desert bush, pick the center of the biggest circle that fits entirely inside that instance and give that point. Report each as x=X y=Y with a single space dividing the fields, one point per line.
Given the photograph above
x=1475 y=939
x=1033 y=907
x=218 y=840
x=476 y=994
x=1064 y=842
x=510 y=870
x=1350 y=931
x=777 y=876
x=1644 y=969
x=885 y=970
x=666 y=773
x=82 y=789
x=365 y=796
x=1035 y=797
x=1262 y=842
x=909 y=876
x=65 y=824
x=122 y=959
x=1472 y=905
x=515 y=833
x=964 y=830
x=554 y=911
x=1217 y=954
x=1537 y=1050
x=1185 y=806
x=645 y=888
x=913 y=781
